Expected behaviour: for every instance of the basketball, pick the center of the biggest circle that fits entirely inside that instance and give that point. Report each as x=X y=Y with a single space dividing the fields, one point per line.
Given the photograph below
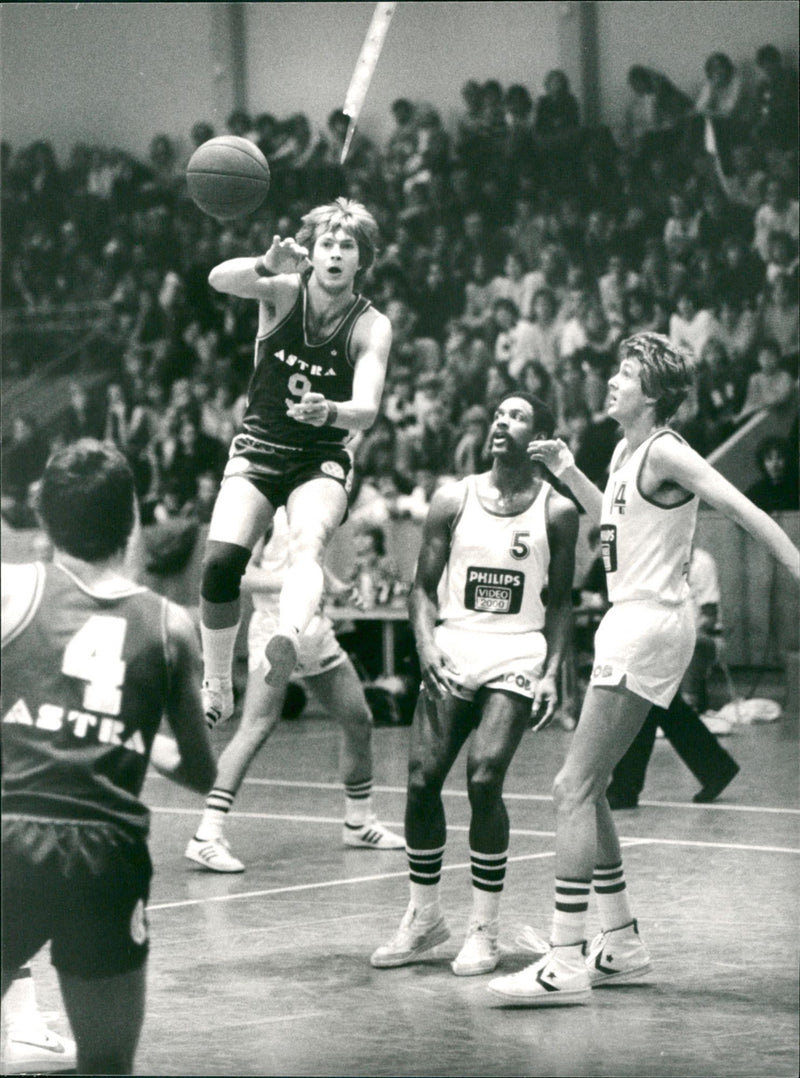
x=228 y=177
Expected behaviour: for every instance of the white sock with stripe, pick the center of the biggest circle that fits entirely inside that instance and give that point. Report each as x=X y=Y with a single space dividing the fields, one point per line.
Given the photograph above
x=488 y=877
x=611 y=892
x=217 y=806
x=425 y=872
x=358 y=803
x=569 y=915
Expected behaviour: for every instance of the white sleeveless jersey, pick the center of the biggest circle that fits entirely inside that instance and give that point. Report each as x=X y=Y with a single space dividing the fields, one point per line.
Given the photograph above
x=497 y=567
x=646 y=547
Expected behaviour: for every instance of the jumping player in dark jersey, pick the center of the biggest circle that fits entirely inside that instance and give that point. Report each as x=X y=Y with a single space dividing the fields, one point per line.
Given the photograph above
x=91 y=663
x=320 y=365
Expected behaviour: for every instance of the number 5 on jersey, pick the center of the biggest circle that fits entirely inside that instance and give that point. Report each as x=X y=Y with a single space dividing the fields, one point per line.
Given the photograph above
x=94 y=655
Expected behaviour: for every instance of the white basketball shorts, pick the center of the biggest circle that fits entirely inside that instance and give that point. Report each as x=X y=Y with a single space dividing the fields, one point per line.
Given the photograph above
x=318 y=648
x=645 y=646
x=510 y=661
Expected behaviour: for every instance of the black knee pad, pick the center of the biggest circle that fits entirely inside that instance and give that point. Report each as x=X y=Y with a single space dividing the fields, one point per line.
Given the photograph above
x=223 y=568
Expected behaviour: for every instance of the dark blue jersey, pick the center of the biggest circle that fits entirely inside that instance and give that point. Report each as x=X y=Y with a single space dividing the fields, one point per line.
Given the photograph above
x=288 y=365
x=85 y=681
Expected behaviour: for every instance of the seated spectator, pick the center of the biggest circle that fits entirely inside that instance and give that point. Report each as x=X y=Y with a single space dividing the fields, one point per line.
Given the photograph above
x=745 y=181
x=655 y=107
x=545 y=331
x=771 y=386
x=400 y=147
x=535 y=379
x=720 y=216
x=519 y=148
x=513 y=336
x=782 y=259
x=473 y=144
x=690 y=325
x=510 y=284
x=776 y=119
x=779 y=321
x=682 y=228
x=398 y=398
x=525 y=233
x=498 y=384
x=437 y=302
x=778 y=213
x=777 y=489
x=428 y=446
x=720 y=392
x=614 y=284
x=638 y=313
x=187 y=455
x=470 y=456
x=477 y=311
x=737 y=329
x=429 y=164
x=81 y=418
x=724 y=93
x=23 y=459
x=741 y=272
x=597 y=356
x=557 y=110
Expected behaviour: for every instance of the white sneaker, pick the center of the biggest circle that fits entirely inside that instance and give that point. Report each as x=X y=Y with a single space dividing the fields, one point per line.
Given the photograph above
x=371 y=835
x=716 y=723
x=557 y=979
x=213 y=853
x=418 y=933
x=33 y=1048
x=617 y=955
x=480 y=953
x=281 y=656
x=217 y=696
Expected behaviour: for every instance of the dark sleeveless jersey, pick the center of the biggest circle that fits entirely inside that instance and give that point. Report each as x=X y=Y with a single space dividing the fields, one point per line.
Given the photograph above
x=84 y=686
x=287 y=366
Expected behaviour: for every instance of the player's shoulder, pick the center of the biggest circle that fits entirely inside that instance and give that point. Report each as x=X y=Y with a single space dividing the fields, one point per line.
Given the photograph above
x=448 y=499
x=19 y=586
x=560 y=507
x=372 y=328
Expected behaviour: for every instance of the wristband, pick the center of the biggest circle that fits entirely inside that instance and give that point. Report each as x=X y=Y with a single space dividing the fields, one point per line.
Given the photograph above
x=261 y=268
x=332 y=416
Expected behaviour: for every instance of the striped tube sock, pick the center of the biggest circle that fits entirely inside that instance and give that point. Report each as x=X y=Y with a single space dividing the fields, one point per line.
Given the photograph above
x=569 y=916
x=357 y=802
x=488 y=876
x=424 y=873
x=217 y=806
x=612 y=896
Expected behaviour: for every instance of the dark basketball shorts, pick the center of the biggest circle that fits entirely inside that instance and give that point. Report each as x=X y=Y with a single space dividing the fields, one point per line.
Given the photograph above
x=276 y=470
x=82 y=886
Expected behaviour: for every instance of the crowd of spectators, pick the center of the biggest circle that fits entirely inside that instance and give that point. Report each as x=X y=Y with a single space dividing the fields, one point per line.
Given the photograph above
x=519 y=248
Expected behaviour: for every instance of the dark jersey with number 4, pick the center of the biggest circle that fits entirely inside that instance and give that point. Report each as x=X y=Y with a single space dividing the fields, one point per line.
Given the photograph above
x=288 y=365
x=85 y=679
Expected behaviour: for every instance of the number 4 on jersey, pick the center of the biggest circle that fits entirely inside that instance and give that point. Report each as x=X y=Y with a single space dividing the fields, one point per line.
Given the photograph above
x=94 y=655
x=619 y=501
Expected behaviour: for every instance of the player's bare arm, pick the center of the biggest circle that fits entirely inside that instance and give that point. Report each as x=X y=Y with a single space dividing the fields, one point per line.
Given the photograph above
x=562 y=535
x=438 y=675
x=194 y=766
x=18 y=589
x=559 y=461
x=672 y=461
x=270 y=278
x=371 y=341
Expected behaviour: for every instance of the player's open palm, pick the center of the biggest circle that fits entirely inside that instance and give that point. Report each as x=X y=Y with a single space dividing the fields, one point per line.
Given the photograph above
x=285 y=256
x=543 y=707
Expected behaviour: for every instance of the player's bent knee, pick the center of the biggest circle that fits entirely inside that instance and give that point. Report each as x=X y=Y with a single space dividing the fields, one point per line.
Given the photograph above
x=223 y=568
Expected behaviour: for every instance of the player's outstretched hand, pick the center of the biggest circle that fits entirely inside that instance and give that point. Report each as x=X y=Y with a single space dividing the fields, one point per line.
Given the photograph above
x=285 y=256
x=544 y=703
x=553 y=453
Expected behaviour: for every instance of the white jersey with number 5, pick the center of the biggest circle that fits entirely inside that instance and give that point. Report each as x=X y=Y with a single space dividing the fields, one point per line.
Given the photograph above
x=645 y=545
x=497 y=567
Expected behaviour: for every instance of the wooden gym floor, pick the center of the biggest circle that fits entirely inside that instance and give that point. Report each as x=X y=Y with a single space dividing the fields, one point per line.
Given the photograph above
x=267 y=973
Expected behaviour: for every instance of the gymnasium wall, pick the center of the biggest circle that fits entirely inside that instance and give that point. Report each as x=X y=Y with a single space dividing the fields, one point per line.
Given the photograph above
x=117 y=73
x=677 y=37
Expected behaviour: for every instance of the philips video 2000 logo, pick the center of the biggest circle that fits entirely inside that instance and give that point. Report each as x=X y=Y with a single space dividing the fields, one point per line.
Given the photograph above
x=494 y=591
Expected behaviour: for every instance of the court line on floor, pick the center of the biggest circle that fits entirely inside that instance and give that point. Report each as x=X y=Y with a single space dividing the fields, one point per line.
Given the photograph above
x=630 y=839
x=337 y=786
